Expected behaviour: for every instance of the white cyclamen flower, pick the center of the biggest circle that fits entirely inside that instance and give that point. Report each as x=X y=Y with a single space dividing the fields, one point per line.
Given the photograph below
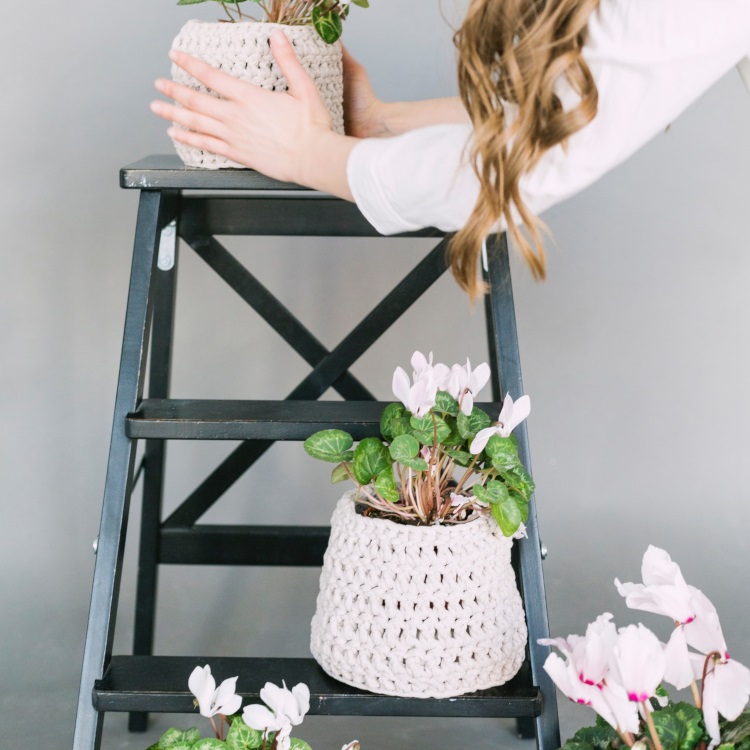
x=284 y=708
x=212 y=700
x=638 y=662
x=463 y=384
x=418 y=397
x=511 y=415
x=726 y=692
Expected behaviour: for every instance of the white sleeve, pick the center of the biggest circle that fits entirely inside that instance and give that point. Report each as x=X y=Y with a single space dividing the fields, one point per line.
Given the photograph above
x=650 y=59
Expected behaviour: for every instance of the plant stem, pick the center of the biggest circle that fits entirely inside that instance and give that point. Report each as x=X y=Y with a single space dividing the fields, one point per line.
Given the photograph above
x=469 y=471
x=213 y=724
x=626 y=737
x=651 y=727
x=696 y=694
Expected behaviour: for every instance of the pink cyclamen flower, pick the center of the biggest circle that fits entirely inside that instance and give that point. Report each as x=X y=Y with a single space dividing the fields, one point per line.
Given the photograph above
x=212 y=700
x=638 y=662
x=511 y=415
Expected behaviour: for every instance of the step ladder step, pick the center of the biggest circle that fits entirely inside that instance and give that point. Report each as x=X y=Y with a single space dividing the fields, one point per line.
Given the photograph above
x=193 y=419
x=205 y=544
x=159 y=684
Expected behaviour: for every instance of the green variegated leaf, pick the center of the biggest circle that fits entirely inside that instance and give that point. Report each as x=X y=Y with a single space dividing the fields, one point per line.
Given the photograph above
x=502 y=452
x=242 y=737
x=462 y=458
x=446 y=404
x=418 y=464
x=403 y=447
x=523 y=506
x=469 y=426
x=385 y=486
x=340 y=473
x=507 y=515
x=209 y=743
x=330 y=445
x=361 y=3
x=394 y=421
x=370 y=458
x=520 y=480
x=678 y=726
x=328 y=24
x=573 y=745
x=737 y=730
x=600 y=738
x=423 y=429
x=173 y=737
x=297 y=744
x=190 y=2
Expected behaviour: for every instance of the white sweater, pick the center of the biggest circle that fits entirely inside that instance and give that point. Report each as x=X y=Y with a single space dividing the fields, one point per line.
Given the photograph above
x=650 y=59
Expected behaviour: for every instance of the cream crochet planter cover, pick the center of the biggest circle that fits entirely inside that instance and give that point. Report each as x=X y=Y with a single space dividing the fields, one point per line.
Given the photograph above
x=417 y=611
x=242 y=50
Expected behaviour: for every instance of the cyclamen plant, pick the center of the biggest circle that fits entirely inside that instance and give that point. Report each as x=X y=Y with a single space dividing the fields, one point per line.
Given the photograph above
x=441 y=459
x=265 y=727
x=327 y=16
x=619 y=672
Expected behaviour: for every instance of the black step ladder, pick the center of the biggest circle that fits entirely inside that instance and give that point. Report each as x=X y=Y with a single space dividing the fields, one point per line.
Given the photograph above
x=196 y=205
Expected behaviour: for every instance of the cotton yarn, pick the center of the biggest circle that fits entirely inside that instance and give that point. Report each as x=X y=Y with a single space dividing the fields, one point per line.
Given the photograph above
x=417 y=611
x=242 y=50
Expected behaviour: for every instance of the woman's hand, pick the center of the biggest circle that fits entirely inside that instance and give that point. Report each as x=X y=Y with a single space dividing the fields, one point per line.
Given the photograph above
x=286 y=136
x=363 y=111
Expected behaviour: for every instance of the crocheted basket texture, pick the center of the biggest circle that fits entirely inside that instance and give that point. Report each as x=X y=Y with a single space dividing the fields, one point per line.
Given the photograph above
x=417 y=611
x=242 y=49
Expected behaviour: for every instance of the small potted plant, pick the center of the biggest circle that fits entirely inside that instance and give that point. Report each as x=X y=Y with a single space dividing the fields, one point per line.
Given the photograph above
x=258 y=727
x=619 y=673
x=239 y=45
x=417 y=594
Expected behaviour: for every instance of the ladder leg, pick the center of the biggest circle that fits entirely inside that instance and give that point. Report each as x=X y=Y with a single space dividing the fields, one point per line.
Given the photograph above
x=118 y=483
x=160 y=366
x=504 y=344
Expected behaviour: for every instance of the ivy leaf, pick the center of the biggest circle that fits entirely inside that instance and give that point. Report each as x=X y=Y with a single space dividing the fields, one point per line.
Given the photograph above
x=469 y=426
x=385 y=486
x=330 y=445
x=370 y=458
x=446 y=404
x=394 y=421
x=174 y=737
x=243 y=737
x=678 y=726
x=403 y=447
x=327 y=24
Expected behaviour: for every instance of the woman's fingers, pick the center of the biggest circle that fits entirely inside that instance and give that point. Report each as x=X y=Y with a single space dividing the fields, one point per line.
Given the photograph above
x=187 y=118
x=301 y=86
x=200 y=141
x=216 y=80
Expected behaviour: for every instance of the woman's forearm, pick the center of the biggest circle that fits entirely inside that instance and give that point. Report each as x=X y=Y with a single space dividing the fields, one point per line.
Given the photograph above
x=395 y=118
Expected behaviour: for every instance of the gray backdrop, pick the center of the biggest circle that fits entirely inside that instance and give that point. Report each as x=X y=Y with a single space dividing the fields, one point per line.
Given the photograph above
x=635 y=356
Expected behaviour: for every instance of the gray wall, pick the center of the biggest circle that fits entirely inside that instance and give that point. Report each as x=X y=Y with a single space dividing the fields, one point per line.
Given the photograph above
x=635 y=356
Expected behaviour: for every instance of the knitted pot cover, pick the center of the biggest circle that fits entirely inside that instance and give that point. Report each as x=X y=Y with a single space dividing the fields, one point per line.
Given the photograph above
x=242 y=49
x=417 y=611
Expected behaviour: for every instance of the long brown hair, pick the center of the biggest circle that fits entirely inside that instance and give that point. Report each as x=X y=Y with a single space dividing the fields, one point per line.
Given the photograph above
x=513 y=52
